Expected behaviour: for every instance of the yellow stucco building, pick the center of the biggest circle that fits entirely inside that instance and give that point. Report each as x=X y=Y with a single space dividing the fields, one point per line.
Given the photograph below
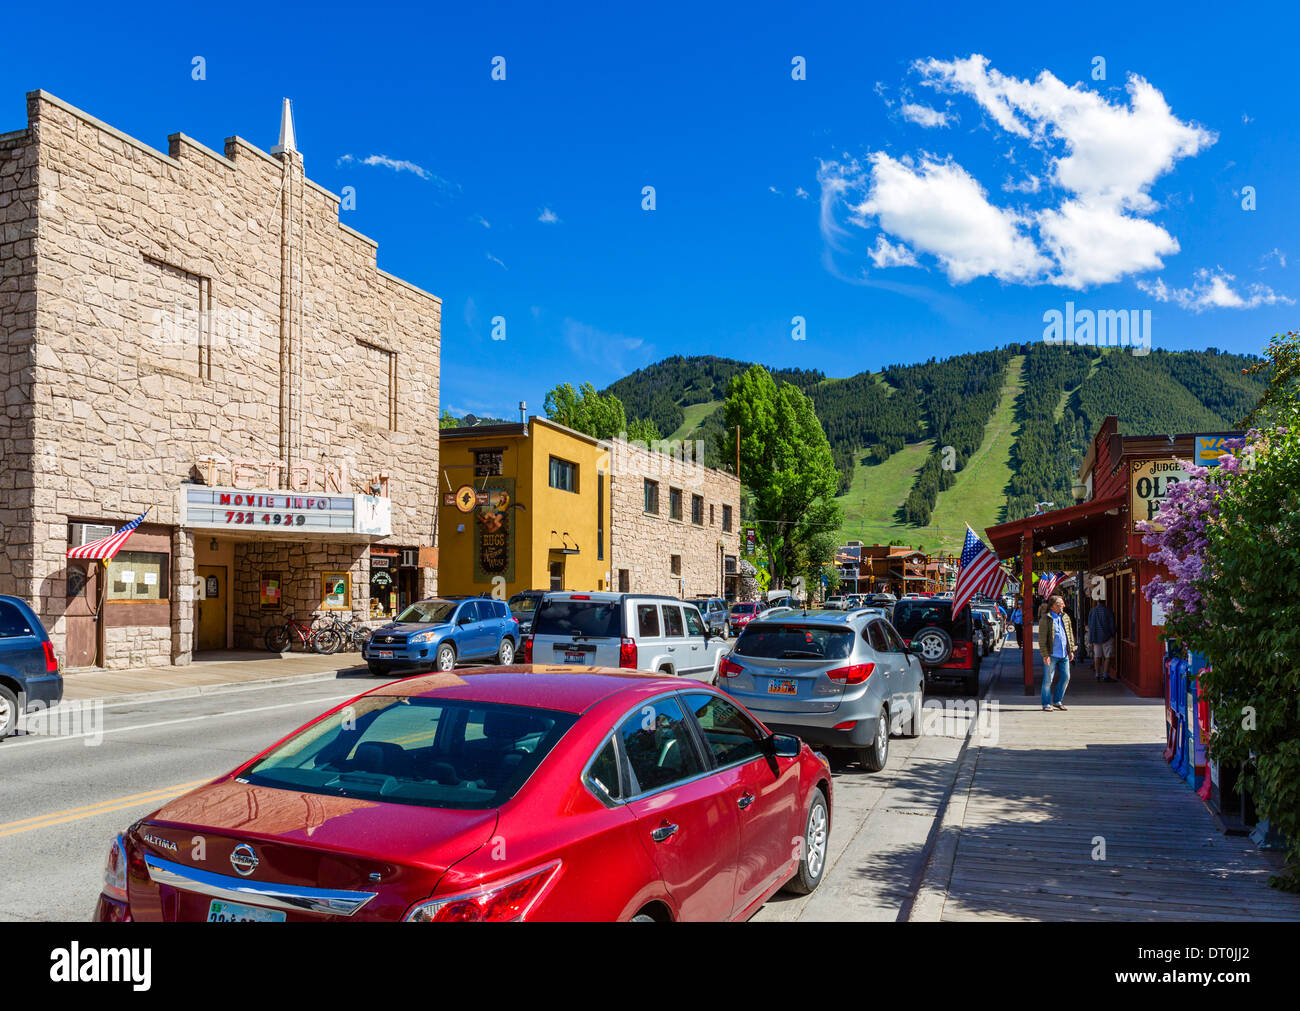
x=522 y=506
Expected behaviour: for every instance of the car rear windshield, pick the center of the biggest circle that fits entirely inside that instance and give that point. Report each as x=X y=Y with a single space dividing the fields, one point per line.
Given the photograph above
x=794 y=642
x=593 y=618
x=910 y=616
x=524 y=603
x=427 y=611
x=419 y=751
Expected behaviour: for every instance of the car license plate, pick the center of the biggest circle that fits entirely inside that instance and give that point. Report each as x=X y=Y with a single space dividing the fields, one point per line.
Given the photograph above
x=782 y=688
x=578 y=656
x=233 y=912
x=384 y=654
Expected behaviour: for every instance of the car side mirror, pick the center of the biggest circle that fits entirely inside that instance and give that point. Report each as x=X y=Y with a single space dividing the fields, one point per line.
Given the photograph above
x=784 y=745
x=464 y=619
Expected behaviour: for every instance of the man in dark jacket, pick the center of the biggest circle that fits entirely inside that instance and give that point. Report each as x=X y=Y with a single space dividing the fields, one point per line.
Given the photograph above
x=1101 y=635
x=1056 y=643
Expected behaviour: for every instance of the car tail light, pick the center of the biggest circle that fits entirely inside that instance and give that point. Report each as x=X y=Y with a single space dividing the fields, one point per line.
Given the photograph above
x=627 y=654
x=580 y=596
x=853 y=675
x=499 y=902
x=115 y=871
x=528 y=649
x=849 y=725
x=51 y=661
x=729 y=668
x=961 y=652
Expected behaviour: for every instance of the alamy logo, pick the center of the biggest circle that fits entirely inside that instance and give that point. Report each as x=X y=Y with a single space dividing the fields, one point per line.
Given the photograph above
x=1117 y=328
x=102 y=965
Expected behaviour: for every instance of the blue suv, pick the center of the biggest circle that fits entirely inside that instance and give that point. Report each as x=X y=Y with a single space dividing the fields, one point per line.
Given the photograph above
x=439 y=632
x=29 y=670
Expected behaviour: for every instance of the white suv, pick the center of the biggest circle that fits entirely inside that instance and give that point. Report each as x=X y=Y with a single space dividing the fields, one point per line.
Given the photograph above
x=636 y=631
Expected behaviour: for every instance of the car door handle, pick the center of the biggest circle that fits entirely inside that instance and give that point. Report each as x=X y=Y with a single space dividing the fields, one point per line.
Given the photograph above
x=672 y=649
x=745 y=800
x=664 y=832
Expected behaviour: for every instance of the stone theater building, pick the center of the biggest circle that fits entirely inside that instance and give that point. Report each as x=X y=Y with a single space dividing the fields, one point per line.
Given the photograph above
x=195 y=334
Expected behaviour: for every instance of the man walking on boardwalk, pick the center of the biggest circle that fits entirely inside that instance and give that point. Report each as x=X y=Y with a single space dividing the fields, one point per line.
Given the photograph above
x=1101 y=634
x=1056 y=642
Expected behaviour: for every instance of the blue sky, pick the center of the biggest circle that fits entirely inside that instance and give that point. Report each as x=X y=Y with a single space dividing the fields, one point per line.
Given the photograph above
x=944 y=175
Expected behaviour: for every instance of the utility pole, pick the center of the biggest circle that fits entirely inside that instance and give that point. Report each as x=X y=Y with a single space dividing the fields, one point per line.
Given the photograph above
x=738 y=452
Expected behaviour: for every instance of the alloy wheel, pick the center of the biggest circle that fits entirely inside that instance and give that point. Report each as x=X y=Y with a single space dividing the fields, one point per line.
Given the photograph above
x=816 y=840
x=506 y=652
x=446 y=658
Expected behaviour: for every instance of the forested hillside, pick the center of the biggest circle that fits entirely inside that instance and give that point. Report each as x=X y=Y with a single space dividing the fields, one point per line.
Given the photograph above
x=1064 y=393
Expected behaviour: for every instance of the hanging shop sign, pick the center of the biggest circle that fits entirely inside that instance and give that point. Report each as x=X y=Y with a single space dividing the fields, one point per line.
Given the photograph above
x=272 y=512
x=1150 y=482
x=1073 y=560
x=494 y=531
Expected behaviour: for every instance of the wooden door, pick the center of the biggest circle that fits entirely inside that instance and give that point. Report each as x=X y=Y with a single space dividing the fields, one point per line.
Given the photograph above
x=213 y=596
x=79 y=615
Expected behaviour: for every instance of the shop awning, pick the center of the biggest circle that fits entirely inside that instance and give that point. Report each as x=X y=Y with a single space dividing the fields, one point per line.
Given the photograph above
x=1060 y=526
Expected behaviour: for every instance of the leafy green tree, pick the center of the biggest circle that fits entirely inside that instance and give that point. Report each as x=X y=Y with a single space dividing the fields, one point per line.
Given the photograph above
x=1282 y=398
x=599 y=415
x=786 y=462
x=447 y=420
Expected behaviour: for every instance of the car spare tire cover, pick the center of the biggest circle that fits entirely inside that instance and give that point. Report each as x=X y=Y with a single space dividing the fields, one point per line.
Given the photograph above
x=934 y=643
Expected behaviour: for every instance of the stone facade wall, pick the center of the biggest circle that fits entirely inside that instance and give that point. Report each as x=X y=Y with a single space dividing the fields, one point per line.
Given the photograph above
x=157 y=283
x=137 y=646
x=643 y=543
x=301 y=567
x=18 y=196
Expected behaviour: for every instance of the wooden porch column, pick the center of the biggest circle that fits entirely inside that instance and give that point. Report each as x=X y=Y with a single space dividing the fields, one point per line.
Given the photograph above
x=1027 y=608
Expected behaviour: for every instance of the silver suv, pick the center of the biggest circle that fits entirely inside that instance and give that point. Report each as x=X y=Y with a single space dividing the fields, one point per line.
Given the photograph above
x=714 y=612
x=837 y=680
x=636 y=631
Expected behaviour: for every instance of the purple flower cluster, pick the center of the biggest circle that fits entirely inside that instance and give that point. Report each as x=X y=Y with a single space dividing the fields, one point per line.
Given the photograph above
x=1187 y=514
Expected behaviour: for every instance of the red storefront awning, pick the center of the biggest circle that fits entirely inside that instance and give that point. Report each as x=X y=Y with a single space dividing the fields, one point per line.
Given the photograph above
x=1056 y=527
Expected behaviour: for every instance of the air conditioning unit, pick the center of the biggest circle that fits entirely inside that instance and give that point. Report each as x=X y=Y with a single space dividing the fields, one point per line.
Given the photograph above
x=84 y=533
x=410 y=558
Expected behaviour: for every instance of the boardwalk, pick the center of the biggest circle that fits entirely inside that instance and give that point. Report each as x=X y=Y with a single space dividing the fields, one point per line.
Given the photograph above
x=1038 y=803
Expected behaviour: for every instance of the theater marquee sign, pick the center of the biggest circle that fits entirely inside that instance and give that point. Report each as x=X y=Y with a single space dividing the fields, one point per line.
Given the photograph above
x=270 y=512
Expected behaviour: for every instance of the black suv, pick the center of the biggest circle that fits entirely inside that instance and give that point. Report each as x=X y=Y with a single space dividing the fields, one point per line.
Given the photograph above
x=949 y=647
x=523 y=605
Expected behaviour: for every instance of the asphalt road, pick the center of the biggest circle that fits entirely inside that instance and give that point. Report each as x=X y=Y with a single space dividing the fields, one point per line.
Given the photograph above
x=63 y=799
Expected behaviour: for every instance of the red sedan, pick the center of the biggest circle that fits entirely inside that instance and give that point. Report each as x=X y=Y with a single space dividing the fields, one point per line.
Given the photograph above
x=501 y=793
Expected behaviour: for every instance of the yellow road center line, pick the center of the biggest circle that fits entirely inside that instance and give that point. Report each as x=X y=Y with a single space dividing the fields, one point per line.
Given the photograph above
x=90 y=810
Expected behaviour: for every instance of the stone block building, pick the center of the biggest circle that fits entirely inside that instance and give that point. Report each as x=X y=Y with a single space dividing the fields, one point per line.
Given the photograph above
x=675 y=522
x=196 y=334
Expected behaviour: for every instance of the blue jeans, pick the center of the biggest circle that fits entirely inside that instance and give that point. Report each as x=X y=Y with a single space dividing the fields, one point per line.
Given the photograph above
x=1060 y=667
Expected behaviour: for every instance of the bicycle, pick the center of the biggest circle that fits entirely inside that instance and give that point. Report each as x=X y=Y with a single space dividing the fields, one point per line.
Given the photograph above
x=335 y=634
x=280 y=638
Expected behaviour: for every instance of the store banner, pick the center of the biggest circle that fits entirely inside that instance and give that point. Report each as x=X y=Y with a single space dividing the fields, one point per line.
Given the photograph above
x=494 y=530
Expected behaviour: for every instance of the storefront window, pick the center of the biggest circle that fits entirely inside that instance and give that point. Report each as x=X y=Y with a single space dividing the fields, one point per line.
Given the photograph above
x=384 y=600
x=138 y=575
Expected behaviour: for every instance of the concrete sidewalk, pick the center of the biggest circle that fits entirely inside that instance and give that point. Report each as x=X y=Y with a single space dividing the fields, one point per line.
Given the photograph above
x=1076 y=816
x=210 y=672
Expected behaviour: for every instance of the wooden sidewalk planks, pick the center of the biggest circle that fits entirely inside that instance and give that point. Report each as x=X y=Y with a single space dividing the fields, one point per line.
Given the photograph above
x=1050 y=783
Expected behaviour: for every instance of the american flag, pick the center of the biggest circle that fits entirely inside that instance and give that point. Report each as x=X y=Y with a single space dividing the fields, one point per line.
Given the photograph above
x=1048 y=583
x=979 y=572
x=106 y=547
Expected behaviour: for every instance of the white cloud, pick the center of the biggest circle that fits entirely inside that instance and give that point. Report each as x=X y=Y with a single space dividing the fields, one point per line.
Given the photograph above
x=497 y=261
x=1247 y=119
x=801 y=193
x=940 y=209
x=397 y=165
x=1030 y=184
x=924 y=115
x=616 y=353
x=773 y=189
x=1274 y=254
x=483 y=221
x=886 y=254
x=1213 y=289
x=548 y=216
x=1103 y=156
